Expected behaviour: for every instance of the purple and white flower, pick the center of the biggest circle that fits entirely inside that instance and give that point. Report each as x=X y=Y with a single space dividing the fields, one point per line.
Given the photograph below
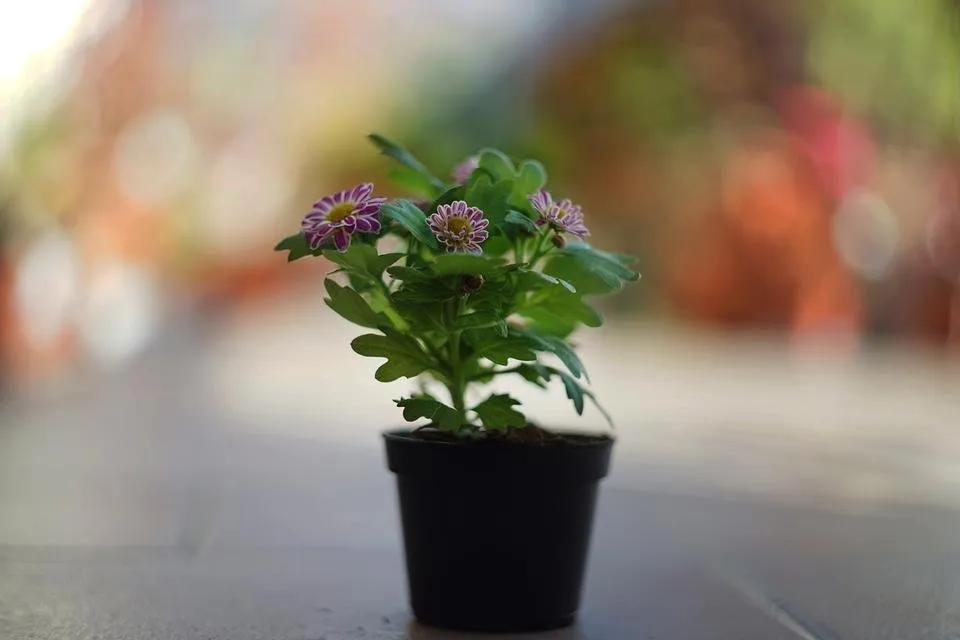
x=563 y=216
x=463 y=171
x=337 y=217
x=459 y=227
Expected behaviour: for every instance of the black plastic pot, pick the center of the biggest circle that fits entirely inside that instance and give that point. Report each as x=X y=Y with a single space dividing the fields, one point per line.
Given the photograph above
x=496 y=534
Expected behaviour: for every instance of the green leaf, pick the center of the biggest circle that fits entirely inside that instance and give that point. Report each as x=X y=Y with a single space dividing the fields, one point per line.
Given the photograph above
x=559 y=348
x=502 y=353
x=574 y=392
x=351 y=305
x=453 y=193
x=497 y=163
x=465 y=264
x=433 y=290
x=609 y=267
x=549 y=323
x=405 y=358
x=577 y=393
x=422 y=315
x=497 y=245
x=408 y=274
x=531 y=178
x=581 y=276
x=410 y=217
x=427 y=407
x=534 y=278
x=532 y=373
x=491 y=198
x=404 y=157
x=568 y=306
x=477 y=320
x=297 y=246
x=362 y=259
x=376 y=263
x=518 y=219
x=412 y=181
x=497 y=413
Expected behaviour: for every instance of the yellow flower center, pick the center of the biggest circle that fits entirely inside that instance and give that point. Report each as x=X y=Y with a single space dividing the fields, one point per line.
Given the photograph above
x=340 y=211
x=458 y=225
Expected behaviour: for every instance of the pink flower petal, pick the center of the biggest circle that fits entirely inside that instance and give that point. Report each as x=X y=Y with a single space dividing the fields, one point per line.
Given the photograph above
x=361 y=192
x=341 y=240
x=367 y=224
x=317 y=238
x=324 y=204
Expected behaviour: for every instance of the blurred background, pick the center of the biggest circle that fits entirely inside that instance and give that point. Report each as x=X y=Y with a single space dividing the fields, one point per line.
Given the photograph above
x=789 y=168
x=787 y=172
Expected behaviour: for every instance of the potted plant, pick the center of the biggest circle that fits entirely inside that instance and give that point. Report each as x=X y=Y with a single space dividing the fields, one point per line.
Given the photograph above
x=476 y=279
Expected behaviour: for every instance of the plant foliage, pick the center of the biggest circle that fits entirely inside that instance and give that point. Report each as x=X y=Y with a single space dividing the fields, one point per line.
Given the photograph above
x=458 y=320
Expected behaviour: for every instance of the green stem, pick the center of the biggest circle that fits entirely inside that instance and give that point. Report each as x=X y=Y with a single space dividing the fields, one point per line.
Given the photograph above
x=390 y=311
x=520 y=249
x=458 y=384
x=541 y=248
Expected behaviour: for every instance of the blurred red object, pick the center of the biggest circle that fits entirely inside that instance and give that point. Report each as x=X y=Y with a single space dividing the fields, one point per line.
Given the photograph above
x=763 y=256
x=840 y=147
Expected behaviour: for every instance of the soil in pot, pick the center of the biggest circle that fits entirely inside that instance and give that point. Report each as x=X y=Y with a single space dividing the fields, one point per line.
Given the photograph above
x=496 y=531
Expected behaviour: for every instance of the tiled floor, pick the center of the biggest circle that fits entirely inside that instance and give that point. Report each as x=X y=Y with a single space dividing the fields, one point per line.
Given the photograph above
x=231 y=485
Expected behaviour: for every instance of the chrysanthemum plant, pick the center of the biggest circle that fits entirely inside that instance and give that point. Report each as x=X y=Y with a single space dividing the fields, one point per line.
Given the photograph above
x=465 y=282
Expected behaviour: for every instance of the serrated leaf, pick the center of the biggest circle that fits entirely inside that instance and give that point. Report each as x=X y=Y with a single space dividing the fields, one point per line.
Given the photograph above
x=404 y=157
x=433 y=290
x=491 y=198
x=411 y=218
x=351 y=305
x=503 y=352
x=377 y=263
x=362 y=259
x=297 y=246
x=548 y=323
x=568 y=306
x=450 y=264
x=423 y=315
x=497 y=163
x=531 y=177
x=427 y=407
x=497 y=413
x=518 y=219
x=608 y=266
x=535 y=277
x=532 y=373
x=408 y=274
x=559 y=348
x=477 y=320
x=576 y=392
x=404 y=356
x=581 y=276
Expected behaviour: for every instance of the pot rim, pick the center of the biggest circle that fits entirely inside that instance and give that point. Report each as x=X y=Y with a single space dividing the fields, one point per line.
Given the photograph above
x=589 y=439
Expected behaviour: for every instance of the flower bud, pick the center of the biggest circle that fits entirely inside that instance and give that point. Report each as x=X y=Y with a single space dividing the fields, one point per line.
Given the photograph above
x=558 y=241
x=471 y=284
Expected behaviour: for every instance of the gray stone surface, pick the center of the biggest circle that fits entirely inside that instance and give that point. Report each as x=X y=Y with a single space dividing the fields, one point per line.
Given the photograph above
x=222 y=489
